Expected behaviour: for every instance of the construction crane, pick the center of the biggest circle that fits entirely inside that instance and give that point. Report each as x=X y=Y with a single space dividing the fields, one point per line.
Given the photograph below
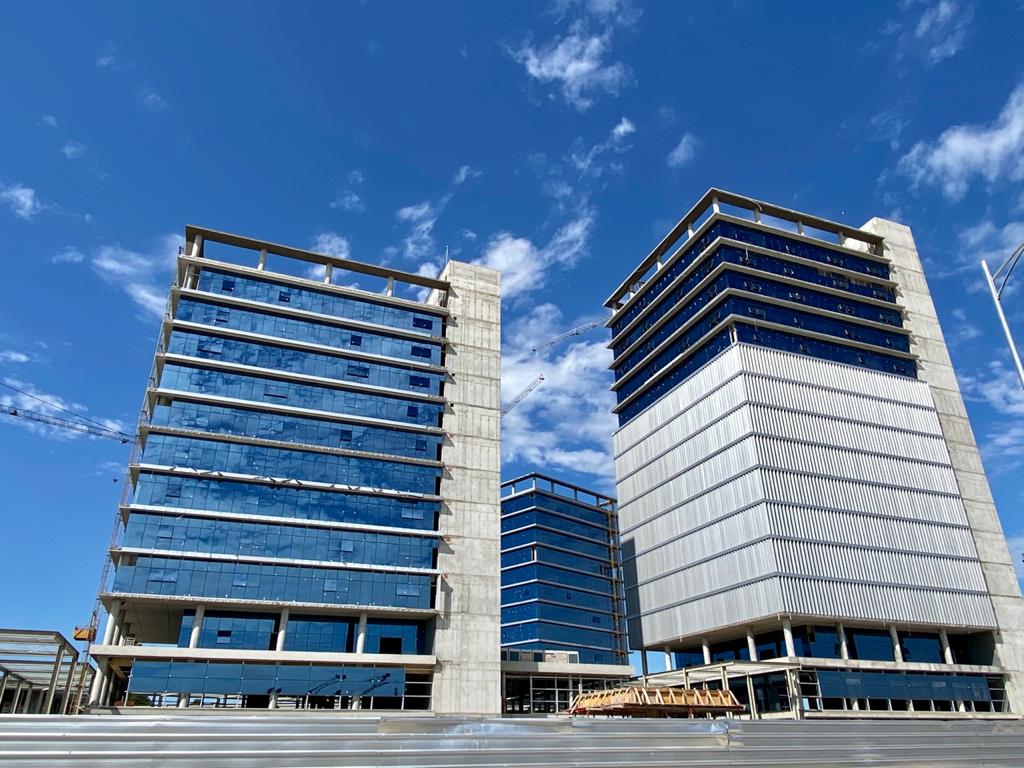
x=579 y=330
x=523 y=395
x=67 y=424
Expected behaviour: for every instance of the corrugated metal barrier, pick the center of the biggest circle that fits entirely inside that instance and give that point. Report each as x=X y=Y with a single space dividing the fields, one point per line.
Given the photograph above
x=314 y=740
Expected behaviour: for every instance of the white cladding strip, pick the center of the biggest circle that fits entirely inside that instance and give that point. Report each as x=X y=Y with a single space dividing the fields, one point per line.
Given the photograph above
x=773 y=596
x=662 y=548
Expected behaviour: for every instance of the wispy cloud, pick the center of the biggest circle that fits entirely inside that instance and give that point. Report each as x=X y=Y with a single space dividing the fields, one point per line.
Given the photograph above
x=964 y=330
x=13 y=356
x=356 y=177
x=143 y=277
x=332 y=244
x=348 y=200
x=70 y=255
x=32 y=398
x=575 y=391
x=591 y=161
x=23 y=201
x=419 y=244
x=683 y=152
x=465 y=173
x=107 y=60
x=525 y=266
x=984 y=241
x=152 y=100
x=48 y=121
x=926 y=31
x=576 y=64
x=73 y=150
x=965 y=152
x=999 y=387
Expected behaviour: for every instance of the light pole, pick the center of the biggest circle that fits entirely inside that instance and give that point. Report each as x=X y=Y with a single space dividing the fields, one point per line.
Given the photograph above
x=996 y=283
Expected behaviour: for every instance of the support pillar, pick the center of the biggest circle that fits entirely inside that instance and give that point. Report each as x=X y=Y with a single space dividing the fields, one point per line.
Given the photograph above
x=643 y=665
x=102 y=669
x=750 y=698
x=751 y=645
x=113 y=617
x=197 y=247
x=947 y=652
x=844 y=649
x=197 y=626
x=17 y=693
x=54 y=676
x=28 y=700
x=68 y=683
x=787 y=633
x=328 y=272
x=668 y=659
x=262 y=264
x=897 y=651
x=706 y=647
x=282 y=630
x=361 y=635
x=793 y=683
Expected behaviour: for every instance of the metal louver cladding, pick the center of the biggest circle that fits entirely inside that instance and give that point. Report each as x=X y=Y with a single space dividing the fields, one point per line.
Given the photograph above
x=773 y=483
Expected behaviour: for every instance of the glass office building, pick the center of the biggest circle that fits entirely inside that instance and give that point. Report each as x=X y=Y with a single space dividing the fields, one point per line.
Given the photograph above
x=285 y=537
x=562 y=628
x=802 y=505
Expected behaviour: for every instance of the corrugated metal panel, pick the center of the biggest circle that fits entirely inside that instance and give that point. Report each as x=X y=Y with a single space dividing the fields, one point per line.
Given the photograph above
x=310 y=740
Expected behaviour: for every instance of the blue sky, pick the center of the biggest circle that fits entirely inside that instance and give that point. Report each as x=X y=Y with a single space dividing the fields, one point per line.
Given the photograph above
x=556 y=141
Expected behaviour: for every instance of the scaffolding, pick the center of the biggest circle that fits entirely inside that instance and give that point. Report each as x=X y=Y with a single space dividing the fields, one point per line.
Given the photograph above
x=641 y=701
x=40 y=673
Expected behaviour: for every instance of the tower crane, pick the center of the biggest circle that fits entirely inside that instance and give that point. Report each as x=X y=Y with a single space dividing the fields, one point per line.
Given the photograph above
x=579 y=330
x=66 y=424
x=523 y=395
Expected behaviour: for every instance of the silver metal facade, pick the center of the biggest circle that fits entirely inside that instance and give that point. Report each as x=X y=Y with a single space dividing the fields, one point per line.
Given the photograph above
x=772 y=483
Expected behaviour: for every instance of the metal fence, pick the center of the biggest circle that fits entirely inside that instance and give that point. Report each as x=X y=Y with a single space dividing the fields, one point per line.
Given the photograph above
x=221 y=739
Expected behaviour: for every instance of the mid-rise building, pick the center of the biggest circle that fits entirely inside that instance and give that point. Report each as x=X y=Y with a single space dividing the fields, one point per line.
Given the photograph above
x=804 y=514
x=562 y=629
x=311 y=517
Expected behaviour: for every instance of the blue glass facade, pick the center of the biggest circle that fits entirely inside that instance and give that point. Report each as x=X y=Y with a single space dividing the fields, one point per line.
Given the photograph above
x=560 y=573
x=733 y=282
x=290 y=456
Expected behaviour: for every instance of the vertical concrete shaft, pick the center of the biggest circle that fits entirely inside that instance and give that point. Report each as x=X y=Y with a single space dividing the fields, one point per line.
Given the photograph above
x=936 y=368
x=897 y=649
x=751 y=645
x=668 y=659
x=282 y=630
x=706 y=648
x=787 y=634
x=197 y=626
x=468 y=638
x=361 y=634
x=51 y=689
x=947 y=652
x=844 y=648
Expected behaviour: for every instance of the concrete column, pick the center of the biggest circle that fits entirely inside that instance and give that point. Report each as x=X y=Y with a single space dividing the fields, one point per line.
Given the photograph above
x=197 y=247
x=14 y=698
x=897 y=652
x=97 y=683
x=844 y=650
x=668 y=659
x=197 y=626
x=328 y=271
x=282 y=630
x=116 y=637
x=390 y=289
x=107 y=685
x=68 y=685
x=52 y=687
x=361 y=634
x=787 y=634
x=643 y=666
x=794 y=693
x=112 y=618
x=947 y=652
x=706 y=647
x=28 y=700
x=751 y=645
x=3 y=686
x=262 y=264
x=750 y=697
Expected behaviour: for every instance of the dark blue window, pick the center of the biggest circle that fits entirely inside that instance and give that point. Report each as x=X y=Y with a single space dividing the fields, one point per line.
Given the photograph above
x=870 y=644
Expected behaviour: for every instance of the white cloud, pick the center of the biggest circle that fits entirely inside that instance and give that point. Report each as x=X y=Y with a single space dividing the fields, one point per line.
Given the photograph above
x=683 y=152
x=468 y=234
x=332 y=244
x=48 y=120
x=22 y=200
x=574 y=391
x=575 y=63
x=999 y=387
x=984 y=241
x=144 y=277
x=942 y=30
x=465 y=173
x=73 y=150
x=152 y=100
x=70 y=255
x=106 y=61
x=623 y=128
x=31 y=398
x=13 y=356
x=356 y=177
x=964 y=329
x=419 y=243
x=349 y=200
x=964 y=152
x=524 y=266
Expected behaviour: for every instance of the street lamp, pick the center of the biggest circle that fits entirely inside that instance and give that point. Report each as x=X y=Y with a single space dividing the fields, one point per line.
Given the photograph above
x=996 y=284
